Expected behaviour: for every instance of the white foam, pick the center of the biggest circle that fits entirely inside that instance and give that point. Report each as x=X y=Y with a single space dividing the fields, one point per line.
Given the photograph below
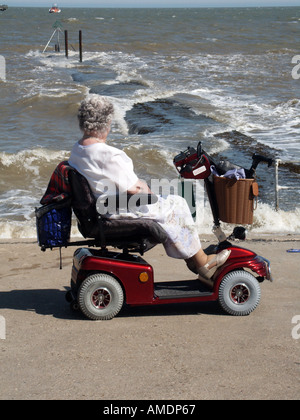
x=26 y=229
x=31 y=160
x=17 y=230
x=274 y=124
x=266 y=221
x=216 y=145
x=16 y=203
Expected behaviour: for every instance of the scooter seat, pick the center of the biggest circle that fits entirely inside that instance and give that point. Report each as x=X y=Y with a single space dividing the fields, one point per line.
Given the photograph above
x=137 y=234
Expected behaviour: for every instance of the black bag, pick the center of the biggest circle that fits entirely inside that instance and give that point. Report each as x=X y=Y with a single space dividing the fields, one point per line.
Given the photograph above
x=53 y=223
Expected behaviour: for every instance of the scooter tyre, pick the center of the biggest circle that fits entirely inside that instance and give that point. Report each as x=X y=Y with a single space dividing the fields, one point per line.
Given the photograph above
x=100 y=297
x=239 y=293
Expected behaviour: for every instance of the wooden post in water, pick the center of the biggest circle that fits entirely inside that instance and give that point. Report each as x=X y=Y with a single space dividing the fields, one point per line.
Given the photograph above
x=66 y=43
x=80 y=46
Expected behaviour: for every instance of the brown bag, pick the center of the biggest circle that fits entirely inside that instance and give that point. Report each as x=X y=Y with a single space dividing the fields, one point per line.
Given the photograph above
x=237 y=199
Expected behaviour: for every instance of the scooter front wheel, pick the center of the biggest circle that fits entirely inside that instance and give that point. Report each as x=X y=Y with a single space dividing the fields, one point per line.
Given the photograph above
x=100 y=297
x=239 y=293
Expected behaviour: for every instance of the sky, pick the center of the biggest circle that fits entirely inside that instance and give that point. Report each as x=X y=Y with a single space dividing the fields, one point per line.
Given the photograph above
x=153 y=3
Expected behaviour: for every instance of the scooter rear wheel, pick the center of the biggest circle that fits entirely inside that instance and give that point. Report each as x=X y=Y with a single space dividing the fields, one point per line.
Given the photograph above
x=100 y=297
x=239 y=293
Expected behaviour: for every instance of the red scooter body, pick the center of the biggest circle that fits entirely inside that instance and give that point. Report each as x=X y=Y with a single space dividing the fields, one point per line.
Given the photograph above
x=136 y=277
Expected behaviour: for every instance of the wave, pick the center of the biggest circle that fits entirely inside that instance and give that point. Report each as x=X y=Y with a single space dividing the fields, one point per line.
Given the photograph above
x=26 y=230
x=71 y=19
x=118 y=89
x=46 y=98
x=31 y=160
x=150 y=159
x=273 y=124
x=51 y=69
x=24 y=178
x=129 y=80
x=266 y=221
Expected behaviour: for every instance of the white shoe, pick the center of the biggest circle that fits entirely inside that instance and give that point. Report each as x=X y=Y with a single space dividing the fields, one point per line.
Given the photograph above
x=205 y=273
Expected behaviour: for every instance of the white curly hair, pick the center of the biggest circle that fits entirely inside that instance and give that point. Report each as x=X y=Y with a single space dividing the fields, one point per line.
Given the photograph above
x=95 y=114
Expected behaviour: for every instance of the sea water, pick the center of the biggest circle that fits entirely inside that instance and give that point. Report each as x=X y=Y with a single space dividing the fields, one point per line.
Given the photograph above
x=227 y=77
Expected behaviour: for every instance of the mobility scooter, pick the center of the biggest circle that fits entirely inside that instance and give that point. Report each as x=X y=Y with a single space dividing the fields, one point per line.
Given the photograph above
x=103 y=280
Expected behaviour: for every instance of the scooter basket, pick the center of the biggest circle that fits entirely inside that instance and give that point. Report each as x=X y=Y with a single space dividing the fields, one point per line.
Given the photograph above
x=236 y=199
x=53 y=223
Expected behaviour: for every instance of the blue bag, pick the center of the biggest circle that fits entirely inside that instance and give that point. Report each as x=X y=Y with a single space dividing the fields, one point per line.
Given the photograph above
x=53 y=223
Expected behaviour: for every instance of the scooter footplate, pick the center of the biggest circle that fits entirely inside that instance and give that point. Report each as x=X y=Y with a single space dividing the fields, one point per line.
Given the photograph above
x=181 y=289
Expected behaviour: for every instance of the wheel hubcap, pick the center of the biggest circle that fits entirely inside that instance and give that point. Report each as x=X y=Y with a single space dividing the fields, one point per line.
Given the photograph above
x=101 y=298
x=240 y=293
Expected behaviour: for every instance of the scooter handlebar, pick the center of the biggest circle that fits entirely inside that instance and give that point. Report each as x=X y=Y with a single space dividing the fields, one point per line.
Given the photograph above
x=259 y=158
x=256 y=159
x=195 y=164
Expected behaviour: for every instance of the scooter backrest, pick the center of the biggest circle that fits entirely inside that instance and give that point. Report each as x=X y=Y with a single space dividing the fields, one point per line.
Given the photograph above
x=83 y=204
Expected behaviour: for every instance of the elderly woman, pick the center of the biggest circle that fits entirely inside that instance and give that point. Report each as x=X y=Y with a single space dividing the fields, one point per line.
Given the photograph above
x=102 y=164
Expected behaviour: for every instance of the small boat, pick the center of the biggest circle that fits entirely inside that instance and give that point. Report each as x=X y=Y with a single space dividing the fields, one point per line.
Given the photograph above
x=3 y=7
x=54 y=9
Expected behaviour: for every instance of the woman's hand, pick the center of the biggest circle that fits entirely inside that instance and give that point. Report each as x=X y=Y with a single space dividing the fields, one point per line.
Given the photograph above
x=140 y=187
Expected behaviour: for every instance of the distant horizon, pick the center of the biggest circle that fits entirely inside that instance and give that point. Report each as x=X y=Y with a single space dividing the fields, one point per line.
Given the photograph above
x=157 y=4
x=158 y=7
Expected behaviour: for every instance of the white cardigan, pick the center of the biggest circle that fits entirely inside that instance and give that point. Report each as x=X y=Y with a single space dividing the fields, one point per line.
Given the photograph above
x=103 y=166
